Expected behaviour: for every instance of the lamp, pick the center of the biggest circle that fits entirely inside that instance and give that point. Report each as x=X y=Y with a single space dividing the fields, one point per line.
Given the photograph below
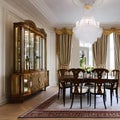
x=87 y=29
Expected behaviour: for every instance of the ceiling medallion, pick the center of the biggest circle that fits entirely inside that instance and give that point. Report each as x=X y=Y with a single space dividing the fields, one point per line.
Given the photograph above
x=88 y=4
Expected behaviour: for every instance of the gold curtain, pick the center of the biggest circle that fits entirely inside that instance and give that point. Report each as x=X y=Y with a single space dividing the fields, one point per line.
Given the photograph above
x=99 y=50
x=117 y=50
x=116 y=44
x=96 y=49
x=63 y=47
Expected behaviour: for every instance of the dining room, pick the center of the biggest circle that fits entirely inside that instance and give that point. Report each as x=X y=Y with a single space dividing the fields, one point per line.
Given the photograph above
x=67 y=45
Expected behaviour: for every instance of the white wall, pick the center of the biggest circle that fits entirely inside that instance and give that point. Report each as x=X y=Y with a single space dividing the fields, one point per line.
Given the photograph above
x=51 y=61
x=2 y=59
x=8 y=16
x=75 y=53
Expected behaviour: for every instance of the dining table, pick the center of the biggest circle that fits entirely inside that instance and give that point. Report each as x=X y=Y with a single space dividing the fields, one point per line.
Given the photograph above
x=87 y=81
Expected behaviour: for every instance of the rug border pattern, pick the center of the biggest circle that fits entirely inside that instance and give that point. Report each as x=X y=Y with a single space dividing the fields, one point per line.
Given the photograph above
x=41 y=112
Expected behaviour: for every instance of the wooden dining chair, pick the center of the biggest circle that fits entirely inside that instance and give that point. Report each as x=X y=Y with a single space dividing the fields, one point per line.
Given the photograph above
x=98 y=81
x=78 y=87
x=100 y=73
x=63 y=84
x=113 y=86
x=98 y=89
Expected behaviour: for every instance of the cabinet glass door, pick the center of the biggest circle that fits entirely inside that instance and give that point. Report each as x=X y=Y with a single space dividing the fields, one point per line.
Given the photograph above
x=32 y=50
x=26 y=47
x=17 y=49
x=26 y=84
x=37 y=53
x=42 y=53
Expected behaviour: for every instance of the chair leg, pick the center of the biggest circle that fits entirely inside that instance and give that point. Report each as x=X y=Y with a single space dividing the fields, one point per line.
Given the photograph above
x=90 y=99
x=111 y=92
x=72 y=101
x=81 y=101
x=104 y=101
x=70 y=92
x=64 y=94
x=88 y=96
x=105 y=96
x=117 y=95
x=94 y=101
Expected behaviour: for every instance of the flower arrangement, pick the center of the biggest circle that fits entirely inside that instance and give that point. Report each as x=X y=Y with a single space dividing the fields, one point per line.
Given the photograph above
x=88 y=69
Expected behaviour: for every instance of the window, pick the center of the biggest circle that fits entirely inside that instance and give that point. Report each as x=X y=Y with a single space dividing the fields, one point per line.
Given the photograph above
x=112 y=63
x=89 y=58
x=110 y=53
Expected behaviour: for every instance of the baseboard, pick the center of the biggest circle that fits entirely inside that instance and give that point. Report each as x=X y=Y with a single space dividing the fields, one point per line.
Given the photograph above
x=3 y=100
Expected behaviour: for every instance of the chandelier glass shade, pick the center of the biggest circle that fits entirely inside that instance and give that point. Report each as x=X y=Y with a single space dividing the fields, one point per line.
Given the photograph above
x=87 y=29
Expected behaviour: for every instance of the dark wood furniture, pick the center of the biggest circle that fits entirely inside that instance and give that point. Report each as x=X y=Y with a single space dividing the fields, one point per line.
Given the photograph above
x=30 y=71
x=113 y=86
x=100 y=73
x=78 y=86
x=99 y=84
x=98 y=89
x=62 y=85
x=71 y=78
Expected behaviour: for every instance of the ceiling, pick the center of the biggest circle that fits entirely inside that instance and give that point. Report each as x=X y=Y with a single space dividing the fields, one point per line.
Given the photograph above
x=65 y=13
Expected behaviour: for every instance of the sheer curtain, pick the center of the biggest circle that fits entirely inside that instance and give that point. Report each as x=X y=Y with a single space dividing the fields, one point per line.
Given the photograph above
x=63 y=47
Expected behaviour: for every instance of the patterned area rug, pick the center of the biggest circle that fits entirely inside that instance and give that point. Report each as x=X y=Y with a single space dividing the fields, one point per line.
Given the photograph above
x=43 y=111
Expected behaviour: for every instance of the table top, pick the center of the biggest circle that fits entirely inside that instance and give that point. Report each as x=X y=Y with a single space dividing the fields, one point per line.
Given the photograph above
x=71 y=77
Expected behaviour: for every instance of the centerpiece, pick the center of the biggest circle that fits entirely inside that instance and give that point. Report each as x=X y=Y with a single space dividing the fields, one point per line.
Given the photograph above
x=88 y=70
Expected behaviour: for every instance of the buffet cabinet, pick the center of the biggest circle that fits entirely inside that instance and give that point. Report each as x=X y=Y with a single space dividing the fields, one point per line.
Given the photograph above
x=30 y=70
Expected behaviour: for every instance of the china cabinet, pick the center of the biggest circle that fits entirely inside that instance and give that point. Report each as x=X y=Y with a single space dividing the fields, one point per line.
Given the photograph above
x=30 y=70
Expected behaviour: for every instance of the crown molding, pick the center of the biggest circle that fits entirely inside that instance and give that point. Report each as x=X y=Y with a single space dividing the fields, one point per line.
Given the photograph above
x=23 y=13
x=45 y=11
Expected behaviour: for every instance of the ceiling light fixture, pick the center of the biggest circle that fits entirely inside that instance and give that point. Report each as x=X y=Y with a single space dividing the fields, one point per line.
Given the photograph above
x=87 y=29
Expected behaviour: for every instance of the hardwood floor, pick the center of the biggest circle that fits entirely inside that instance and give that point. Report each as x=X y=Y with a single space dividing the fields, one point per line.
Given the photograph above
x=12 y=111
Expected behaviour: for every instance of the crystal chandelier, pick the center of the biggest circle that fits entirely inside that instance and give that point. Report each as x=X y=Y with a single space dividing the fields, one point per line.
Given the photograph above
x=87 y=29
